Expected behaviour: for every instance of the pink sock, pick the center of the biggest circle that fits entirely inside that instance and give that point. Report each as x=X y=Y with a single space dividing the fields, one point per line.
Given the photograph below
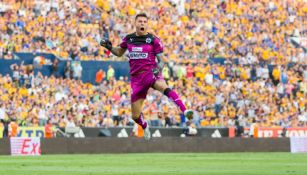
x=175 y=98
x=141 y=121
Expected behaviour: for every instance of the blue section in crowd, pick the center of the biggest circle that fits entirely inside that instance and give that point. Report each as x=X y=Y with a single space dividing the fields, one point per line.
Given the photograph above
x=89 y=67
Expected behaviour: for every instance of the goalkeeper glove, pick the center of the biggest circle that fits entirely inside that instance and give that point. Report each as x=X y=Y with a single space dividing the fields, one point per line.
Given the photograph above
x=106 y=43
x=156 y=71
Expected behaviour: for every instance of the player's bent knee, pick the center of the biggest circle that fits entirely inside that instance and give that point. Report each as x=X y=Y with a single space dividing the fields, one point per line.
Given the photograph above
x=160 y=85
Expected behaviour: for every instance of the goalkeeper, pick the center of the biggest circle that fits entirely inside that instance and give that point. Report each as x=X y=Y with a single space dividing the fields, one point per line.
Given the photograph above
x=146 y=63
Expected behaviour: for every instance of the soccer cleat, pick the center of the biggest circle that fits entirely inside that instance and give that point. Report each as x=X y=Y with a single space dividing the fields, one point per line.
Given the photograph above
x=147 y=134
x=188 y=114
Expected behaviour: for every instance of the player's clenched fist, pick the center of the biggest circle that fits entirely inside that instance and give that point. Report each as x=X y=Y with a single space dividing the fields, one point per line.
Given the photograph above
x=106 y=43
x=156 y=71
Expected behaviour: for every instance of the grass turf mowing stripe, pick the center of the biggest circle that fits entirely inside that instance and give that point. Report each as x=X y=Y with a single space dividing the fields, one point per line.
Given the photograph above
x=152 y=164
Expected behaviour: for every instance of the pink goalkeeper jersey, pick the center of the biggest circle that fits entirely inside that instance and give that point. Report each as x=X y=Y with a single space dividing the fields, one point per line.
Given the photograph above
x=142 y=51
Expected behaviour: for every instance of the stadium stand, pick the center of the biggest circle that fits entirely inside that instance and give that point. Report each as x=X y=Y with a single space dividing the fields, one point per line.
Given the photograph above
x=260 y=74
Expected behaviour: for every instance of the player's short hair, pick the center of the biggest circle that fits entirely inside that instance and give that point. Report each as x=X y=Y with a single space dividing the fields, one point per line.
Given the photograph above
x=141 y=15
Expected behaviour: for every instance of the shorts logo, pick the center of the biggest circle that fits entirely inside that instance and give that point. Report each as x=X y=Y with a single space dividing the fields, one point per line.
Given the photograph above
x=137 y=49
x=137 y=55
x=148 y=40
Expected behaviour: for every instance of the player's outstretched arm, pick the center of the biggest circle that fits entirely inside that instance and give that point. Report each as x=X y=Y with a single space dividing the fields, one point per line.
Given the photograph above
x=118 y=51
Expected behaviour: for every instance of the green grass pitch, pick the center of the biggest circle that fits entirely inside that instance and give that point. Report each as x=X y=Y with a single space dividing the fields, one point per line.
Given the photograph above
x=157 y=164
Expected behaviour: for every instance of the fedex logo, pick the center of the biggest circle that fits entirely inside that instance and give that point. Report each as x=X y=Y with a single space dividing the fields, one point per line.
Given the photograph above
x=25 y=146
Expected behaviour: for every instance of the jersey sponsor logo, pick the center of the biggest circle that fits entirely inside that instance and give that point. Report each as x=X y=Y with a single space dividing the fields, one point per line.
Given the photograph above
x=138 y=55
x=137 y=49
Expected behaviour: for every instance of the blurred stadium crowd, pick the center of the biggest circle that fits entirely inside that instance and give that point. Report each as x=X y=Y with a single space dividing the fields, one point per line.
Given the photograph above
x=250 y=30
x=220 y=95
x=255 y=33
